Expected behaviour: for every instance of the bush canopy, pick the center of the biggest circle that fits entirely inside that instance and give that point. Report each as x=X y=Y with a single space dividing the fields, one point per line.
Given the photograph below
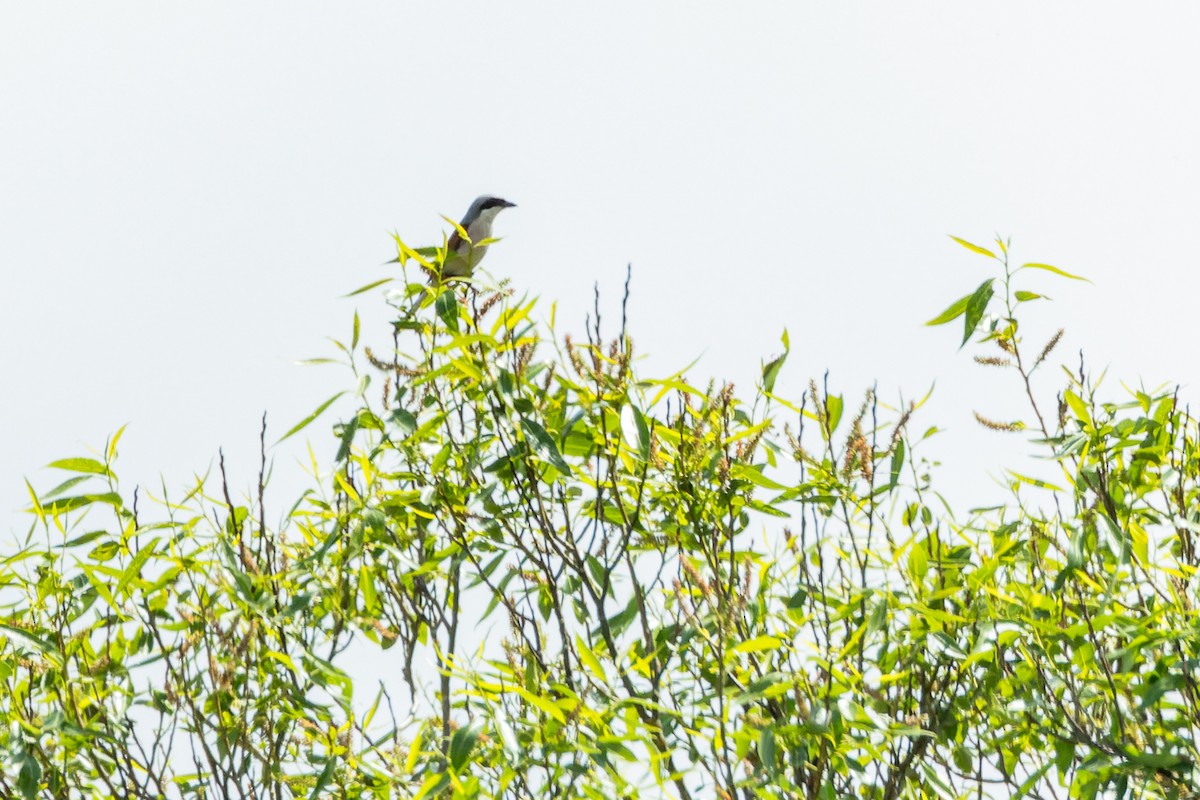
x=584 y=582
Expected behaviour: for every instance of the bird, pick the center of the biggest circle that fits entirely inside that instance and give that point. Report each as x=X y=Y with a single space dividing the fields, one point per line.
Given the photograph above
x=462 y=255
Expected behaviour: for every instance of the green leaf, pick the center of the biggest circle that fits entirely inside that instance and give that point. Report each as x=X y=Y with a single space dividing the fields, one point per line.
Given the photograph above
x=772 y=684
x=618 y=622
x=1078 y=406
x=62 y=505
x=1163 y=410
x=544 y=445
x=974 y=248
x=834 y=404
x=282 y=658
x=90 y=536
x=1039 y=483
x=879 y=617
x=1116 y=539
x=40 y=645
x=918 y=561
x=589 y=660
x=69 y=483
x=1055 y=270
x=112 y=443
x=764 y=508
x=976 y=307
x=134 y=570
x=348 y=431
x=1024 y=297
x=1075 y=554
x=461 y=744
x=643 y=431
x=1159 y=761
x=1032 y=780
x=29 y=775
x=754 y=475
x=757 y=645
x=366 y=585
x=544 y=704
x=103 y=552
x=767 y=751
x=953 y=312
x=323 y=779
x=770 y=370
x=369 y=286
x=403 y=420
x=370 y=715
x=446 y=307
x=431 y=786
x=508 y=737
x=1064 y=755
x=304 y=423
x=897 y=464
x=88 y=465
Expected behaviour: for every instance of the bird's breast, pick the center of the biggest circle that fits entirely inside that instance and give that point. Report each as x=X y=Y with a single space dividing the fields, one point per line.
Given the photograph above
x=463 y=258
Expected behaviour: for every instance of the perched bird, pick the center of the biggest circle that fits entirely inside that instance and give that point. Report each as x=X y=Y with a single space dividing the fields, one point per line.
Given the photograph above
x=461 y=255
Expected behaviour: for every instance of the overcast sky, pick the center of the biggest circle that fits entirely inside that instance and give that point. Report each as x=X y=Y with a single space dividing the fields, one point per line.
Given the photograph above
x=186 y=190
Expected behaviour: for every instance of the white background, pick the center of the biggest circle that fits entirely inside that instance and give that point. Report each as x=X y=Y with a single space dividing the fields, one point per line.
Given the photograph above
x=186 y=190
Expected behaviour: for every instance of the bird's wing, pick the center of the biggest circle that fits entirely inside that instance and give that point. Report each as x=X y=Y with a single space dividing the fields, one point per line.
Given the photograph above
x=455 y=243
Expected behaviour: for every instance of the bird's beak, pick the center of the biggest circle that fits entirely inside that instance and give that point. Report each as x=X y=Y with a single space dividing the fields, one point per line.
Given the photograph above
x=509 y=205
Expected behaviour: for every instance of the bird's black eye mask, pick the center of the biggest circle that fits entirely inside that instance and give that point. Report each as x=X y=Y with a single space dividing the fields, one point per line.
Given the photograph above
x=495 y=202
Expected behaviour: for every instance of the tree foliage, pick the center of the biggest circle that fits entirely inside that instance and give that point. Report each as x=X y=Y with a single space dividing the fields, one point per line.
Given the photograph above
x=585 y=582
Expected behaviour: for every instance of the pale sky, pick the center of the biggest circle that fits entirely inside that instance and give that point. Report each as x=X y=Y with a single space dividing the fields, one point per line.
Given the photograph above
x=186 y=189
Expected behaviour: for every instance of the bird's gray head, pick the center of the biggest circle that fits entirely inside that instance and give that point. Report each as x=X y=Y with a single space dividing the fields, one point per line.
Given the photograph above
x=485 y=208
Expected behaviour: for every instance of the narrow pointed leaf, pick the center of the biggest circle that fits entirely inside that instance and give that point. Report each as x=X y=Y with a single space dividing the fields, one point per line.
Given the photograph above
x=1055 y=270
x=544 y=445
x=976 y=306
x=371 y=285
x=88 y=465
x=974 y=248
x=953 y=312
x=304 y=423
